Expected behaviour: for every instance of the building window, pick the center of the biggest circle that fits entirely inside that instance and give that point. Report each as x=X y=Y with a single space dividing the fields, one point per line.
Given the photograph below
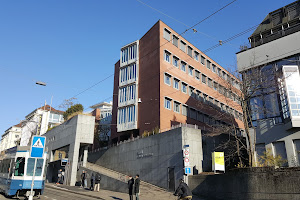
x=182 y=45
x=198 y=93
x=168 y=103
x=197 y=75
x=203 y=79
x=176 y=107
x=191 y=91
x=202 y=60
x=167 y=34
x=167 y=79
x=128 y=53
x=196 y=55
x=191 y=69
x=215 y=86
x=184 y=110
x=184 y=87
x=175 y=40
x=176 y=83
x=209 y=83
x=293 y=11
x=214 y=68
x=208 y=64
x=219 y=72
x=190 y=51
x=204 y=97
x=175 y=61
x=223 y=75
x=167 y=56
x=128 y=73
x=279 y=150
x=183 y=66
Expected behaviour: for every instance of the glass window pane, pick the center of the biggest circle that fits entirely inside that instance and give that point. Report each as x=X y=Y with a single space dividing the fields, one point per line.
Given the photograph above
x=30 y=167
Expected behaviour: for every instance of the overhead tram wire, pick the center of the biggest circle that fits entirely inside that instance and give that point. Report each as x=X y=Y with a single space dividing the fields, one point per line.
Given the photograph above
x=161 y=45
x=213 y=38
x=231 y=38
x=172 y=67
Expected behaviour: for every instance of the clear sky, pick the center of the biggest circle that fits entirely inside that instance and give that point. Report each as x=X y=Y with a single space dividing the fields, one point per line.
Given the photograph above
x=73 y=44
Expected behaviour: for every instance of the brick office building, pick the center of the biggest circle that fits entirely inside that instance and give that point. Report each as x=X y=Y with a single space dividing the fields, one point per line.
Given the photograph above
x=162 y=80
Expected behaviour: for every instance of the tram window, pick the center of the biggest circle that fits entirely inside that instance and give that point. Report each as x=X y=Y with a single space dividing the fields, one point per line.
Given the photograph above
x=38 y=169
x=19 y=166
x=5 y=164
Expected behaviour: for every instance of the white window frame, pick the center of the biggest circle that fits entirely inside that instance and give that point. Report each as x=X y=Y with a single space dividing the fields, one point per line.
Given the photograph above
x=165 y=103
x=178 y=103
x=186 y=87
x=165 y=57
x=165 y=35
x=176 y=80
x=170 y=78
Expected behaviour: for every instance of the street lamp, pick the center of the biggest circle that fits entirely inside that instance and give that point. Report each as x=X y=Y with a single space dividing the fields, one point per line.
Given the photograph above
x=40 y=83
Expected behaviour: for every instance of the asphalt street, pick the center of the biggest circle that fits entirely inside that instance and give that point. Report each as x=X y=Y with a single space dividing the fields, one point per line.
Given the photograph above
x=54 y=194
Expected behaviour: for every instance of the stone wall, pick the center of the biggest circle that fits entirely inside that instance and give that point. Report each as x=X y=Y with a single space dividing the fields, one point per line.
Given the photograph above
x=249 y=184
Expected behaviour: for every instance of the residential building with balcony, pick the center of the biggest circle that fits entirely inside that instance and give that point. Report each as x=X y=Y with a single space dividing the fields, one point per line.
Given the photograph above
x=162 y=80
x=273 y=59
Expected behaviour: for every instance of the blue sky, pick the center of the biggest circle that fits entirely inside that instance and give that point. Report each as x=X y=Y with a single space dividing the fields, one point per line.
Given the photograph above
x=73 y=44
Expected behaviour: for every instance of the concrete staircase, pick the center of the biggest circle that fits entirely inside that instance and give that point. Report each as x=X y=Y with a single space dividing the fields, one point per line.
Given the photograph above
x=145 y=187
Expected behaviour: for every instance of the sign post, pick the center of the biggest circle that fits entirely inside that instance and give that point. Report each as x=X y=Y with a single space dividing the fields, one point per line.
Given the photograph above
x=36 y=151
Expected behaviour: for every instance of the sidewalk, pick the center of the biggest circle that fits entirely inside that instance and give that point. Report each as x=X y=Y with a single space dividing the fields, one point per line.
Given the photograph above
x=111 y=195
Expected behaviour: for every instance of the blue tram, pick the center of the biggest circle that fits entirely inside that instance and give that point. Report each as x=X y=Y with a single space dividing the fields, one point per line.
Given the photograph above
x=16 y=171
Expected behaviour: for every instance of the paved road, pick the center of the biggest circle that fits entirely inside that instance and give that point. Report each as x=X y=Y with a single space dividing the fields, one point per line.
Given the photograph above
x=54 y=194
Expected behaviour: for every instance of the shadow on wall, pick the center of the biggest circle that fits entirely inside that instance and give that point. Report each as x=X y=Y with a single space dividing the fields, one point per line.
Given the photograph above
x=106 y=182
x=248 y=183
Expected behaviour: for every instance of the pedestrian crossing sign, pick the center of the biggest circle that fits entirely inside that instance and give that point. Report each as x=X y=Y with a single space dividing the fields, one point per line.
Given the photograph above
x=37 y=146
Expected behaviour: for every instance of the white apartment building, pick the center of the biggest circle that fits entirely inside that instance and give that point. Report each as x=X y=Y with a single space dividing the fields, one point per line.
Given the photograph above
x=10 y=137
x=39 y=121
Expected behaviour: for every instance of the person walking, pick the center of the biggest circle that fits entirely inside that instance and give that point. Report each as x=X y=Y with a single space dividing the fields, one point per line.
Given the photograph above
x=137 y=187
x=97 y=182
x=83 y=179
x=59 y=177
x=92 y=182
x=183 y=191
x=130 y=187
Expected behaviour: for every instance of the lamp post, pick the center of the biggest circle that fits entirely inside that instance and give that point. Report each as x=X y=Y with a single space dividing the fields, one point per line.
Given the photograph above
x=35 y=159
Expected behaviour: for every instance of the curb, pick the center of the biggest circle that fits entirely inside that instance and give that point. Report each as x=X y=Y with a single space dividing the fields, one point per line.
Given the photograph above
x=74 y=192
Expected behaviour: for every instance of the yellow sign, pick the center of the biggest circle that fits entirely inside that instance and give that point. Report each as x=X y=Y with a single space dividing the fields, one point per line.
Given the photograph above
x=218 y=162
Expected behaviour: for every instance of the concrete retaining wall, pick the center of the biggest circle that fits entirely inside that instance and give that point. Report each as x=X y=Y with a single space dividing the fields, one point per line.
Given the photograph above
x=249 y=184
x=151 y=157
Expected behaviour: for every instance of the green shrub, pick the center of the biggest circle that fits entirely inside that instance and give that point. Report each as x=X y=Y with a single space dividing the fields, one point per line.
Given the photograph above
x=72 y=111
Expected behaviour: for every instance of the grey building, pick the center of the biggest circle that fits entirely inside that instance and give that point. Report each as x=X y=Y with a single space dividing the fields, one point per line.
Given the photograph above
x=271 y=68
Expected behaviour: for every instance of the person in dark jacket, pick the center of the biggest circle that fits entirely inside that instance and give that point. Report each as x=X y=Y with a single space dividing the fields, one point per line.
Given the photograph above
x=92 y=182
x=183 y=191
x=130 y=187
x=137 y=187
x=97 y=182
x=83 y=178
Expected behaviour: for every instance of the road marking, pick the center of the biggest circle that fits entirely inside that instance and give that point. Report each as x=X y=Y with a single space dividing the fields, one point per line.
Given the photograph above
x=46 y=197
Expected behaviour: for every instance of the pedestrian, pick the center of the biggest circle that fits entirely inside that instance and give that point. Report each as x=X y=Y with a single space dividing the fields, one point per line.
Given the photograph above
x=183 y=191
x=83 y=179
x=86 y=178
x=92 y=182
x=59 y=177
x=97 y=182
x=130 y=187
x=137 y=187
